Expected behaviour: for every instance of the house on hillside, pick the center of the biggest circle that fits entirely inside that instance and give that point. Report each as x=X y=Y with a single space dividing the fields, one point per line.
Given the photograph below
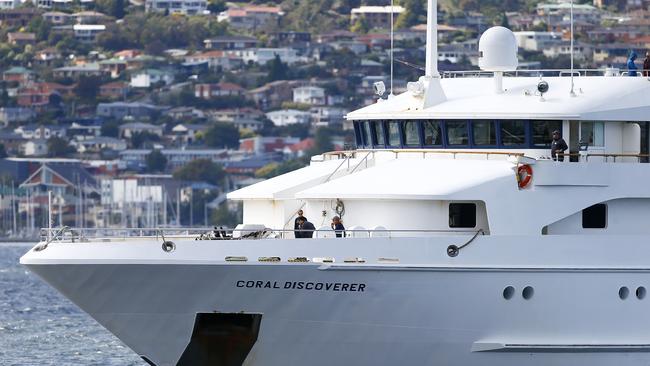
x=286 y=117
x=187 y=134
x=230 y=43
x=121 y=110
x=312 y=95
x=376 y=16
x=21 y=39
x=222 y=89
x=116 y=90
x=251 y=17
x=127 y=130
x=185 y=7
x=149 y=77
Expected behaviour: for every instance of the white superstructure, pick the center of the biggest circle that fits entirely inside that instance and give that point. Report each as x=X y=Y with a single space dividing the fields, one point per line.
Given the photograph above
x=466 y=243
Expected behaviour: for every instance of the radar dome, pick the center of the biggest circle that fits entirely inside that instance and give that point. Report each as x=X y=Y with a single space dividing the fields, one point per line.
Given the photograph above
x=497 y=50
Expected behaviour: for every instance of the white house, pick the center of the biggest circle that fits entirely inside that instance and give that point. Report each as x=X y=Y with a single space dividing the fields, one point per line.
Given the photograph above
x=186 y=7
x=100 y=143
x=35 y=147
x=251 y=16
x=537 y=41
x=263 y=55
x=289 y=117
x=87 y=33
x=187 y=133
x=312 y=95
x=9 y=4
x=147 y=78
x=127 y=130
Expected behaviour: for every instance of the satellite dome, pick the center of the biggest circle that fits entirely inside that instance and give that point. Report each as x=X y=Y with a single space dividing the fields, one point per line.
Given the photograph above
x=497 y=50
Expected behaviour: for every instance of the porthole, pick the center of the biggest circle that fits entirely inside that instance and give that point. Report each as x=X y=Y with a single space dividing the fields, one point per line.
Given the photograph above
x=623 y=293
x=508 y=292
x=528 y=293
x=640 y=293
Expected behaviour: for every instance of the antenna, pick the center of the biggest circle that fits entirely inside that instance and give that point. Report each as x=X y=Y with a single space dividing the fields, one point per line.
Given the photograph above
x=392 y=38
x=572 y=92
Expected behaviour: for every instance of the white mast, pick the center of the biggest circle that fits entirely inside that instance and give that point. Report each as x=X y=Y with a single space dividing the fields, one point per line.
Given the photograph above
x=433 y=93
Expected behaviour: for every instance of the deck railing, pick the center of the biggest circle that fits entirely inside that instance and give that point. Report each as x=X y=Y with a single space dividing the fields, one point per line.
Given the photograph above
x=81 y=235
x=616 y=72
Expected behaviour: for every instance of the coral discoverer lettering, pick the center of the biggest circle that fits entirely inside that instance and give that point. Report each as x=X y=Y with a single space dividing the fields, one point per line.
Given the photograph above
x=303 y=285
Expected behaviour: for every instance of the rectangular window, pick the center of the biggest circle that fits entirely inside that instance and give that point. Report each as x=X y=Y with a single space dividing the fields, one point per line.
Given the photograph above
x=366 y=134
x=513 y=133
x=393 y=133
x=595 y=217
x=542 y=132
x=457 y=133
x=462 y=215
x=378 y=133
x=484 y=133
x=411 y=133
x=593 y=133
x=432 y=134
x=357 y=133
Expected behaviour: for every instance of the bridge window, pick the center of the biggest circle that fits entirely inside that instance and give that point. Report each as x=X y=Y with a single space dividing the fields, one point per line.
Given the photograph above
x=432 y=134
x=513 y=133
x=393 y=134
x=411 y=133
x=462 y=215
x=456 y=133
x=542 y=132
x=378 y=134
x=484 y=133
x=595 y=217
x=365 y=130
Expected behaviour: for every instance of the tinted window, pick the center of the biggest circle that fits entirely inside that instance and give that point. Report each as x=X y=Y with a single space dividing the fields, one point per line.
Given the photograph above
x=432 y=135
x=357 y=133
x=366 y=134
x=513 y=133
x=411 y=133
x=542 y=131
x=595 y=217
x=378 y=133
x=462 y=215
x=484 y=133
x=457 y=133
x=393 y=133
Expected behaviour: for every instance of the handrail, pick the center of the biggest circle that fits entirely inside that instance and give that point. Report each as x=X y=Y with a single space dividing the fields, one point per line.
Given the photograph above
x=197 y=233
x=537 y=72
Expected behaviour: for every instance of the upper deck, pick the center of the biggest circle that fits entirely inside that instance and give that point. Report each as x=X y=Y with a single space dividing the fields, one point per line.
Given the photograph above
x=602 y=95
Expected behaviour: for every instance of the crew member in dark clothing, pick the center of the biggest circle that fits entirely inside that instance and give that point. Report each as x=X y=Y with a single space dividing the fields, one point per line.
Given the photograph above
x=305 y=229
x=558 y=146
x=338 y=227
x=646 y=64
x=295 y=224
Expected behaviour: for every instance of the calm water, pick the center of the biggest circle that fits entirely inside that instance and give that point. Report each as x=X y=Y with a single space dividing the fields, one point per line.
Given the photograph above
x=40 y=327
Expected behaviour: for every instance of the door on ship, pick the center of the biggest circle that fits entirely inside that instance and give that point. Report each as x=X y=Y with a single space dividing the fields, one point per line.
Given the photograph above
x=574 y=140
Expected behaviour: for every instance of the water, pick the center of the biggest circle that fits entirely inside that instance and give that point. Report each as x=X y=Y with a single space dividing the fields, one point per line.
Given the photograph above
x=40 y=327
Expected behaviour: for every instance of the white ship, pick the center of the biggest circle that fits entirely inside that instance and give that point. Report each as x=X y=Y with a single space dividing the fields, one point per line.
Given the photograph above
x=466 y=244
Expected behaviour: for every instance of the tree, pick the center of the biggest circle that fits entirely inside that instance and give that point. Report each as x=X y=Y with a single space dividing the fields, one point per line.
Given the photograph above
x=141 y=139
x=322 y=142
x=216 y=6
x=201 y=170
x=222 y=135
x=156 y=161
x=411 y=14
x=58 y=147
x=224 y=217
x=278 y=70
x=88 y=87
x=360 y=26
x=110 y=129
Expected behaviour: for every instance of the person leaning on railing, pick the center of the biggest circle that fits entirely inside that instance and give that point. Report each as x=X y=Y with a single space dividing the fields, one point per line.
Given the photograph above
x=558 y=146
x=646 y=64
x=305 y=229
x=338 y=227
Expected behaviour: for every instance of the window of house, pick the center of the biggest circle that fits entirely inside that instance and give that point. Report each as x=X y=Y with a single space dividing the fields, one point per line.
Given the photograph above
x=432 y=134
x=484 y=133
x=457 y=133
x=411 y=133
x=595 y=217
x=462 y=215
x=393 y=133
x=542 y=132
x=593 y=133
x=513 y=133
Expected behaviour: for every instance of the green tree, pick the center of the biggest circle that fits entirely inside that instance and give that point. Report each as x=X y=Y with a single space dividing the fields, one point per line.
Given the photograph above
x=322 y=141
x=222 y=135
x=156 y=161
x=59 y=148
x=274 y=169
x=223 y=216
x=88 y=87
x=216 y=6
x=201 y=170
x=110 y=129
x=142 y=139
x=360 y=26
x=278 y=70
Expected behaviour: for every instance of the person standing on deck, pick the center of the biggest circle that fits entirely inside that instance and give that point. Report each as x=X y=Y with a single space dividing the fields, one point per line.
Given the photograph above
x=631 y=66
x=295 y=225
x=305 y=229
x=338 y=227
x=646 y=64
x=558 y=145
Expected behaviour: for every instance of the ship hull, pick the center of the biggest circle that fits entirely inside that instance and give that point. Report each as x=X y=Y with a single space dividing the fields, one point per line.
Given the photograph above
x=365 y=314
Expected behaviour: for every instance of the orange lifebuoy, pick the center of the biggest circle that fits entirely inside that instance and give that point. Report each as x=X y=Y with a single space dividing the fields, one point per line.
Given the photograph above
x=524 y=175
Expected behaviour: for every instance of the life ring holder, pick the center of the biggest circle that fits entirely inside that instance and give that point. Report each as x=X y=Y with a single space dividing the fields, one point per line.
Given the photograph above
x=524 y=175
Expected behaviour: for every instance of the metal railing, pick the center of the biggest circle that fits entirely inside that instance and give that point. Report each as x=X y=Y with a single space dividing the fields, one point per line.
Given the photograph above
x=83 y=235
x=616 y=72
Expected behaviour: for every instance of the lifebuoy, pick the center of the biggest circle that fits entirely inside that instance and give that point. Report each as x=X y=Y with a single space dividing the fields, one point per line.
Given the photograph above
x=524 y=175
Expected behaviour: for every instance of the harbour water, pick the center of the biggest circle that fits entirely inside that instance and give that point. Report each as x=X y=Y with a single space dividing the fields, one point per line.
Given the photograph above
x=40 y=327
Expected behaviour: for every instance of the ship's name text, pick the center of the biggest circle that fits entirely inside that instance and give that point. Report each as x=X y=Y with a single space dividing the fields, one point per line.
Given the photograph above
x=301 y=285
